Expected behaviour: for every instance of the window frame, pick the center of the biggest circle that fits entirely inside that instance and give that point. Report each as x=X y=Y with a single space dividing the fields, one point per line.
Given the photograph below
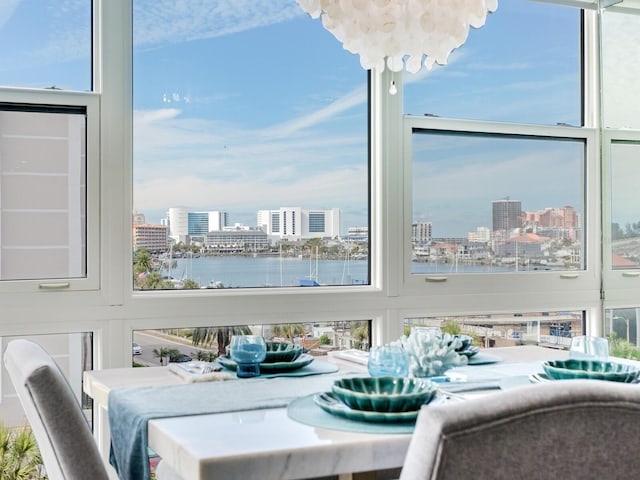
x=508 y=291
x=91 y=102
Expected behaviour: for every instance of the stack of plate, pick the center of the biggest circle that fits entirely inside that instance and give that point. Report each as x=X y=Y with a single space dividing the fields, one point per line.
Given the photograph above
x=591 y=369
x=281 y=357
x=466 y=348
x=377 y=399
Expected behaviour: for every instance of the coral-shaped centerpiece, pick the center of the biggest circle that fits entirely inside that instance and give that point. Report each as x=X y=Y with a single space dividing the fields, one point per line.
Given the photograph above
x=430 y=353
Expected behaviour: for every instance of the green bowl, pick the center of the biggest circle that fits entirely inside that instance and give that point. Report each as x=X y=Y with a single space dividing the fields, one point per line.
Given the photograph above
x=282 y=352
x=384 y=394
x=591 y=369
x=466 y=341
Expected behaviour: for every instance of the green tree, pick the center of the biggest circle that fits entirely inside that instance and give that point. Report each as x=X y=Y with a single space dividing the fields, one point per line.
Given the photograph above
x=324 y=339
x=190 y=284
x=205 y=356
x=288 y=330
x=217 y=336
x=142 y=261
x=19 y=455
x=161 y=353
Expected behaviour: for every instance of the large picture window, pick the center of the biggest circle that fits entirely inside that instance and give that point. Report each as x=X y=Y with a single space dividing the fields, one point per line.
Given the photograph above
x=250 y=151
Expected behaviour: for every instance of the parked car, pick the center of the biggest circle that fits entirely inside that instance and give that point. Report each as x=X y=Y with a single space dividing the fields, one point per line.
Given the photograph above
x=137 y=349
x=183 y=357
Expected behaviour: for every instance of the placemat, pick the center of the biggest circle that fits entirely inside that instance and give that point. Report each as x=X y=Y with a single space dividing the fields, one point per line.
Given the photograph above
x=304 y=410
x=314 y=368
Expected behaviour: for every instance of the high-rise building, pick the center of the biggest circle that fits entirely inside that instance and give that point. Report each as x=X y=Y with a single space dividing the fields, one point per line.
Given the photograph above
x=185 y=224
x=507 y=214
x=421 y=232
x=294 y=223
x=150 y=237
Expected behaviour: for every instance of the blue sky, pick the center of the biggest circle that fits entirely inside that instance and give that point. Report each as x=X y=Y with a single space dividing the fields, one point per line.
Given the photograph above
x=246 y=105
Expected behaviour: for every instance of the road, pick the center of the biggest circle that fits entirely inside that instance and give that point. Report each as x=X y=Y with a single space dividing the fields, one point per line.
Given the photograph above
x=150 y=342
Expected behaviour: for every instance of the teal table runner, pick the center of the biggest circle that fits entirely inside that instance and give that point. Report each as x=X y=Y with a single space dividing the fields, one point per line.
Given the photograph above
x=130 y=409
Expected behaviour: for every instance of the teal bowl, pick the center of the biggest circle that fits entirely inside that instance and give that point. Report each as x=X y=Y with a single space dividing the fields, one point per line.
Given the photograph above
x=282 y=352
x=466 y=342
x=591 y=369
x=384 y=394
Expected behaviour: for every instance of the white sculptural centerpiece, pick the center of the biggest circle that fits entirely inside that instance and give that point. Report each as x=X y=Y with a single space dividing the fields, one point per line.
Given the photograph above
x=413 y=31
x=431 y=354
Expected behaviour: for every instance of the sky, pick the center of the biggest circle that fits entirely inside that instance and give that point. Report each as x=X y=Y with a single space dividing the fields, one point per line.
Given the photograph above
x=242 y=105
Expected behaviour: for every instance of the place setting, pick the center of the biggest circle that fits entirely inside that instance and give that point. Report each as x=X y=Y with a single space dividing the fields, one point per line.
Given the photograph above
x=252 y=356
x=588 y=360
x=404 y=376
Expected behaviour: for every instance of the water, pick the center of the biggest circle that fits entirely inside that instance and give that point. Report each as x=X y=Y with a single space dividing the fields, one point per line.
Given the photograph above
x=239 y=271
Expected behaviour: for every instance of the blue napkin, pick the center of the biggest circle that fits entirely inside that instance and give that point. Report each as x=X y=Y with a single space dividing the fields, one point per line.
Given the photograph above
x=130 y=410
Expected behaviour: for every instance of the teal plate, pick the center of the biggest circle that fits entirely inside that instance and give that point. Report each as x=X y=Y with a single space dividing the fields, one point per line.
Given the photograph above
x=331 y=404
x=591 y=369
x=275 y=367
x=469 y=351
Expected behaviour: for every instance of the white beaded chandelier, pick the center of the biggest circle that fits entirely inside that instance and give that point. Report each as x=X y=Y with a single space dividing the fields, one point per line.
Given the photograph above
x=400 y=33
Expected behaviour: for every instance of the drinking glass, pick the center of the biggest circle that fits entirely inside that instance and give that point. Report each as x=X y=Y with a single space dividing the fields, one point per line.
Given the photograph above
x=587 y=347
x=248 y=351
x=427 y=331
x=388 y=360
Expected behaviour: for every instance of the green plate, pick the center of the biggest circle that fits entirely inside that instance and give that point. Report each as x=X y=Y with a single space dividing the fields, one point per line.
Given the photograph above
x=331 y=404
x=591 y=369
x=275 y=367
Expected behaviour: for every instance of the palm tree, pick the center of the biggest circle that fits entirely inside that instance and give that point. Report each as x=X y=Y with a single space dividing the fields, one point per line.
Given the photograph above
x=19 y=455
x=205 y=356
x=162 y=353
x=217 y=336
x=288 y=330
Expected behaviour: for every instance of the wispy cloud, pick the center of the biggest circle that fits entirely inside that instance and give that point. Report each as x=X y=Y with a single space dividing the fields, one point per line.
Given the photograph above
x=169 y=21
x=7 y=7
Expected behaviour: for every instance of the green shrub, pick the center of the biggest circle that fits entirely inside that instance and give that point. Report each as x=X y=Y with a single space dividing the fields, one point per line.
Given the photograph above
x=19 y=454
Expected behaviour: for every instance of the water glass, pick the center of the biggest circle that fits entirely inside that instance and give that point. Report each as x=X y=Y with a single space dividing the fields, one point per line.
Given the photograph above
x=248 y=351
x=390 y=360
x=585 y=347
x=427 y=331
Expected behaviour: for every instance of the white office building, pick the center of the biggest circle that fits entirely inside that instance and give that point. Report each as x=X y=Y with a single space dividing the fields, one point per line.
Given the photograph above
x=295 y=223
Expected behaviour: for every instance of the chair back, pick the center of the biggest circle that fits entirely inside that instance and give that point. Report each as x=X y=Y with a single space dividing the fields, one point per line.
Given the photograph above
x=572 y=429
x=64 y=438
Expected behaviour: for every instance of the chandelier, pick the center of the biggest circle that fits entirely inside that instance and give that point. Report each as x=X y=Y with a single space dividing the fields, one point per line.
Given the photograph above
x=400 y=33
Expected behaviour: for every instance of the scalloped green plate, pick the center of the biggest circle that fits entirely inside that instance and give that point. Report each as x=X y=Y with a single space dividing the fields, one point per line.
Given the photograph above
x=331 y=404
x=275 y=367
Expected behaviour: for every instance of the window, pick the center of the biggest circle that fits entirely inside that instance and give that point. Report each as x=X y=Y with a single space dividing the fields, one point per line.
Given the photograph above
x=272 y=141
x=497 y=203
x=50 y=44
x=49 y=186
x=523 y=66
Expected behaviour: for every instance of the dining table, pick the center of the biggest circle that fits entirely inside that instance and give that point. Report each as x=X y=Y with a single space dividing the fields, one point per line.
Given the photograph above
x=269 y=427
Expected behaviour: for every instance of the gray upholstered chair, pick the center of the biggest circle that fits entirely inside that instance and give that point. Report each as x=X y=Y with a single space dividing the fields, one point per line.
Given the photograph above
x=574 y=430
x=66 y=444
x=64 y=438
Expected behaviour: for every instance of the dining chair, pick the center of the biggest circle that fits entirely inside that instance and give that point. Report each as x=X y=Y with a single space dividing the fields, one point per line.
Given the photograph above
x=57 y=421
x=571 y=429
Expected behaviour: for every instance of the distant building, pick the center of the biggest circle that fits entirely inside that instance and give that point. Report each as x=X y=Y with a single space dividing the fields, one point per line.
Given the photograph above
x=239 y=240
x=358 y=234
x=186 y=226
x=150 y=237
x=481 y=235
x=294 y=223
x=421 y=232
x=507 y=214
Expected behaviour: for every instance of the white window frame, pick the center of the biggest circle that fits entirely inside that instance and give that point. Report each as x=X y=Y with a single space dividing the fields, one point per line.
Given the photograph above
x=90 y=101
